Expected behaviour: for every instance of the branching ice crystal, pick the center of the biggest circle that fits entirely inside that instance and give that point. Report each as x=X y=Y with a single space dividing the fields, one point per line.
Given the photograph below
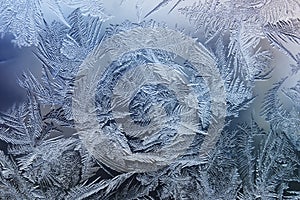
x=146 y=65
x=143 y=110
x=280 y=117
x=24 y=18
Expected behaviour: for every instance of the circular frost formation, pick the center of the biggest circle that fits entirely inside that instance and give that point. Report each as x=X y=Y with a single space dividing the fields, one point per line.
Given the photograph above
x=142 y=95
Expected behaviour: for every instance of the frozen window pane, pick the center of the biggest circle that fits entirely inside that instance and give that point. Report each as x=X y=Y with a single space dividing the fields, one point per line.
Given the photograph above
x=162 y=99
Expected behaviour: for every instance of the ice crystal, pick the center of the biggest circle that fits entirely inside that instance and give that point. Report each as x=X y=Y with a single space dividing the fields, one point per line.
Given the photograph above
x=138 y=70
x=24 y=19
x=90 y=7
x=145 y=110
x=282 y=34
x=280 y=117
x=267 y=171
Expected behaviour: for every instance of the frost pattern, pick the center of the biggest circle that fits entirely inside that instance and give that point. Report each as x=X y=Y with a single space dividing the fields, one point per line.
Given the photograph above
x=25 y=19
x=280 y=117
x=90 y=7
x=282 y=34
x=159 y=64
x=140 y=93
x=241 y=60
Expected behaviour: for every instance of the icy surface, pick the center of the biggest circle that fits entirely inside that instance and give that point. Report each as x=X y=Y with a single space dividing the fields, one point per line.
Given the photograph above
x=162 y=99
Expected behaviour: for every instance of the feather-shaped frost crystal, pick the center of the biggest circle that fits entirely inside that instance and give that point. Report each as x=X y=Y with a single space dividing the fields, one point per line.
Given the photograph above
x=152 y=63
x=199 y=101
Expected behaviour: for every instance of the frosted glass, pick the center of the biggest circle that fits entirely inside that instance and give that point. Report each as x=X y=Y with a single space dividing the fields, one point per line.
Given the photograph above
x=160 y=99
